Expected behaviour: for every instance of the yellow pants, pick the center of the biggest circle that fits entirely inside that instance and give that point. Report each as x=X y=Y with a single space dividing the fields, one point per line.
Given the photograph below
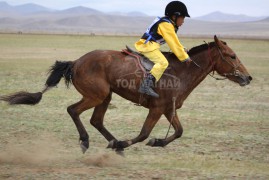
x=160 y=63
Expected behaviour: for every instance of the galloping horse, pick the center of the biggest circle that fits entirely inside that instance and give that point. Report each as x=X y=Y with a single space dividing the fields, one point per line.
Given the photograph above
x=99 y=73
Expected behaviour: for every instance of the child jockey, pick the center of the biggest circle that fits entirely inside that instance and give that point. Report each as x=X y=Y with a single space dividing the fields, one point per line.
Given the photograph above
x=162 y=30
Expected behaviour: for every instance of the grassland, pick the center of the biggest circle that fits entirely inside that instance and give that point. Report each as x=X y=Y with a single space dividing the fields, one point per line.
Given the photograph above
x=226 y=127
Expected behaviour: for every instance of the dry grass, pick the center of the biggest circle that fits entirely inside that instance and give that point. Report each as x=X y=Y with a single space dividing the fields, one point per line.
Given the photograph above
x=226 y=126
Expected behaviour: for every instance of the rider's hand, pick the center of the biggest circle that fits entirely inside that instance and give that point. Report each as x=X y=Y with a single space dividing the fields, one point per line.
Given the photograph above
x=186 y=50
x=188 y=61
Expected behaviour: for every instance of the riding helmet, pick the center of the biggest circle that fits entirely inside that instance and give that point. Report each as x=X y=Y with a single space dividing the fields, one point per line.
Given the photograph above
x=176 y=8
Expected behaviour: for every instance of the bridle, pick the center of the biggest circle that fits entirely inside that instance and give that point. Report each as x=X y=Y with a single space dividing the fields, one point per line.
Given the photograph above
x=235 y=72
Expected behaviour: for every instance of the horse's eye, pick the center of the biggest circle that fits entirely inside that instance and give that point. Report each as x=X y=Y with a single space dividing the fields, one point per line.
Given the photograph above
x=233 y=56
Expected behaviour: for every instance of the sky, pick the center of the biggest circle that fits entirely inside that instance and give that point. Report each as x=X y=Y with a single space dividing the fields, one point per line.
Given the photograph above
x=156 y=7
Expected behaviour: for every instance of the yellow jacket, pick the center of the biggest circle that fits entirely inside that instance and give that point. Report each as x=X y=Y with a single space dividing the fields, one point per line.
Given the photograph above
x=167 y=31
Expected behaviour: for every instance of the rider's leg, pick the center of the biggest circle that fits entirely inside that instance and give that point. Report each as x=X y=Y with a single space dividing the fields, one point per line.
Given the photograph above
x=160 y=64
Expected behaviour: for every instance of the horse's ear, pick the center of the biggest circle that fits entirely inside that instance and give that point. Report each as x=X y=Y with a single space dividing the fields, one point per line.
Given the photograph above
x=217 y=40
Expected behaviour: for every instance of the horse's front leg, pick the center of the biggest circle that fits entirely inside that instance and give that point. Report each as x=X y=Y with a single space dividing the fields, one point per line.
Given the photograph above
x=178 y=131
x=152 y=118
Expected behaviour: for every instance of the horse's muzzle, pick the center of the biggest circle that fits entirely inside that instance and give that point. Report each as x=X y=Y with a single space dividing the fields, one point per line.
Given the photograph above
x=245 y=80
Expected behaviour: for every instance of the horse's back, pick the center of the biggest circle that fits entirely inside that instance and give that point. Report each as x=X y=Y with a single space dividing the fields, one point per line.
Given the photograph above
x=99 y=70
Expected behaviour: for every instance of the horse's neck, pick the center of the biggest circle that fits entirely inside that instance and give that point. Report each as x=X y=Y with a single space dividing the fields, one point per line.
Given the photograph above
x=193 y=75
x=201 y=65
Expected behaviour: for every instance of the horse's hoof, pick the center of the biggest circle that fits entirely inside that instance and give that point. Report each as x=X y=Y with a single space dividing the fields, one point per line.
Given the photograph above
x=111 y=144
x=120 y=152
x=83 y=148
x=156 y=143
x=151 y=142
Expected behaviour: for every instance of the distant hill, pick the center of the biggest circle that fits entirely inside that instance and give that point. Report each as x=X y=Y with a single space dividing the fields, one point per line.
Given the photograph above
x=223 y=17
x=265 y=20
x=31 y=8
x=31 y=18
x=255 y=29
x=133 y=13
x=4 y=6
x=22 y=9
x=80 y=10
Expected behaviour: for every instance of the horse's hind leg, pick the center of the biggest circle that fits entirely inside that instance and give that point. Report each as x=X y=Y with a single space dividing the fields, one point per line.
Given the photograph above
x=97 y=118
x=178 y=131
x=74 y=111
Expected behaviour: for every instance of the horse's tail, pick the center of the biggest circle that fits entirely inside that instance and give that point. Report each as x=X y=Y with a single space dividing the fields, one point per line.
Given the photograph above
x=57 y=71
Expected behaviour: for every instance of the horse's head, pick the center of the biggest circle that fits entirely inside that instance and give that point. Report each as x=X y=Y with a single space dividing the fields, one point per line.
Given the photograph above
x=229 y=65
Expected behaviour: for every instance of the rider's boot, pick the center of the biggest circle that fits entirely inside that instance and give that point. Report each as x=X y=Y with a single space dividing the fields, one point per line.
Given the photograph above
x=147 y=85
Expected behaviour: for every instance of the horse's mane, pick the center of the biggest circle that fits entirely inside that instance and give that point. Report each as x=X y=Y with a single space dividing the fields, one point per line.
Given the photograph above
x=202 y=47
x=197 y=49
x=194 y=50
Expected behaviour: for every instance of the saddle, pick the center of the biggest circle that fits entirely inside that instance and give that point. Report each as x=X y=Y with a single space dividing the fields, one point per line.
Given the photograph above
x=144 y=63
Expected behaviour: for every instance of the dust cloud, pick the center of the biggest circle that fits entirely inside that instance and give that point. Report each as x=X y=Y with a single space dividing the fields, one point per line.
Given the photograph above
x=47 y=150
x=103 y=159
x=25 y=149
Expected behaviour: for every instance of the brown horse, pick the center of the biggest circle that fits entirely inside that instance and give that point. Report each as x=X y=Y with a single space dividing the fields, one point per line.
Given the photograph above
x=99 y=73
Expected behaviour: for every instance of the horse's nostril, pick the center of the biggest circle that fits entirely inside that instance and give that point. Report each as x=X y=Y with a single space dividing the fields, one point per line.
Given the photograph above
x=250 y=78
